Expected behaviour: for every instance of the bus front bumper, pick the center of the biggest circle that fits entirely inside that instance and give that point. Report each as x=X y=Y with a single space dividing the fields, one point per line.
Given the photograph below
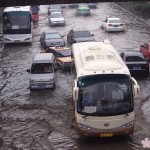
x=26 y=40
x=107 y=133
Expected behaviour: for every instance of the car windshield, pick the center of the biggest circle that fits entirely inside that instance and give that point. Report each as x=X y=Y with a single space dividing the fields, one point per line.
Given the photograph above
x=54 y=7
x=134 y=58
x=52 y=36
x=64 y=53
x=114 y=21
x=40 y=68
x=81 y=34
x=56 y=15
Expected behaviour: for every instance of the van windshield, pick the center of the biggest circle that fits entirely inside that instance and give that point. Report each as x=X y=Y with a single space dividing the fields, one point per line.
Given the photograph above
x=40 y=68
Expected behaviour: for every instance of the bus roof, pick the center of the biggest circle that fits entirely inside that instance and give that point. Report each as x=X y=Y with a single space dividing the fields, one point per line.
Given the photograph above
x=17 y=8
x=97 y=58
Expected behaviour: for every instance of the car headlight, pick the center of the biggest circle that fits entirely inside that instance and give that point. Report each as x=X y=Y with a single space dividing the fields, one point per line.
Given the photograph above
x=32 y=81
x=129 y=124
x=27 y=39
x=51 y=80
x=83 y=126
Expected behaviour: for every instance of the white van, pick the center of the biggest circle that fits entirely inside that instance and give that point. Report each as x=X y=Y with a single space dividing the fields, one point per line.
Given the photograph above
x=42 y=71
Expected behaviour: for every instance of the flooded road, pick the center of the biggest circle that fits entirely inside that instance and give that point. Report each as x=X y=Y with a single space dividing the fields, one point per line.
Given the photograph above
x=43 y=120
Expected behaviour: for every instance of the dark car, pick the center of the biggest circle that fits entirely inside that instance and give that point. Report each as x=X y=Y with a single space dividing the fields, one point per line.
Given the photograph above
x=79 y=35
x=73 y=5
x=50 y=39
x=92 y=5
x=53 y=8
x=136 y=62
x=145 y=50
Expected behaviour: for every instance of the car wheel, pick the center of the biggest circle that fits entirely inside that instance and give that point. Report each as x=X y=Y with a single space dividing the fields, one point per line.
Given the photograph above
x=58 y=66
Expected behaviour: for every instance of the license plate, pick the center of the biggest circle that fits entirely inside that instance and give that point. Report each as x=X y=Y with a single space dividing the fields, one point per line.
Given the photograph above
x=106 y=134
x=41 y=85
x=115 y=25
x=136 y=68
x=17 y=41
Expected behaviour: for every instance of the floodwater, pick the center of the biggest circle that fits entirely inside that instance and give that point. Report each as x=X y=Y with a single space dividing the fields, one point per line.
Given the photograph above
x=43 y=120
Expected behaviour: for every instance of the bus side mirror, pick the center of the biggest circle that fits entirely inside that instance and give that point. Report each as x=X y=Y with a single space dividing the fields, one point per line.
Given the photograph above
x=136 y=88
x=28 y=70
x=75 y=91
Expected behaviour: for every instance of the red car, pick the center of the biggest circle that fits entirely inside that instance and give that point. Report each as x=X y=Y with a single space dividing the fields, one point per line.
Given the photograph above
x=145 y=49
x=35 y=17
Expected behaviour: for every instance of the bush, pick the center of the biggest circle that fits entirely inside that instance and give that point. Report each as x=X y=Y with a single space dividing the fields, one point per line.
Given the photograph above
x=146 y=9
x=143 y=7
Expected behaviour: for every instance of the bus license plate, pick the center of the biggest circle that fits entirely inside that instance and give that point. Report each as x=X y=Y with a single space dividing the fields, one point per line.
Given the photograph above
x=137 y=68
x=17 y=41
x=106 y=134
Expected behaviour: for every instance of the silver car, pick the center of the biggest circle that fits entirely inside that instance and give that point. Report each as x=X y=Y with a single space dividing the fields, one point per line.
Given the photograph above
x=51 y=39
x=56 y=19
x=53 y=8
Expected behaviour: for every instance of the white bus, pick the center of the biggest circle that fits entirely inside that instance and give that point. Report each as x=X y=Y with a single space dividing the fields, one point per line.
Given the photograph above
x=103 y=91
x=17 y=25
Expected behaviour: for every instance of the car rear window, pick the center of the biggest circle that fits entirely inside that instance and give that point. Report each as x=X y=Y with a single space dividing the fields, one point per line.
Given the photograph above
x=114 y=21
x=79 y=34
x=134 y=58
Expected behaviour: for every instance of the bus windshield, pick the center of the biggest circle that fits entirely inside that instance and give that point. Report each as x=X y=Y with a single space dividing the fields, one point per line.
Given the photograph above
x=16 y=21
x=105 y=95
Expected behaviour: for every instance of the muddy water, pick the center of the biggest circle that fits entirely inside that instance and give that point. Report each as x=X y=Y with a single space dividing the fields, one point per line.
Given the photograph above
x=43 y=120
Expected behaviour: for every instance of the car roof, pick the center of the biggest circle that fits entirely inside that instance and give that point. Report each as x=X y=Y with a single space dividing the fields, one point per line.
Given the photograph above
x=113 y=18
x=54 y=6
x=83 y=5
x=49 y=32
x=133 y=53
x=79 y=29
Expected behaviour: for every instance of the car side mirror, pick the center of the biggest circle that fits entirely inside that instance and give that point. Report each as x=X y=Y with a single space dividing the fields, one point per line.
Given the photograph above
x=92 y=34
x=28 y=70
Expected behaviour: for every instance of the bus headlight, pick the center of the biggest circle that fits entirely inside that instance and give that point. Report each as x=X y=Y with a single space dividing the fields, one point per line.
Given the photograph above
x=27 y=39
x=127 y=125
x=83 y=126
x=7 y=39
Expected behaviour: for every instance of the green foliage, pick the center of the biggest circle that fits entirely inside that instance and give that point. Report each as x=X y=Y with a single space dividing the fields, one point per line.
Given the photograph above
x=146 y=9
x=142 y=7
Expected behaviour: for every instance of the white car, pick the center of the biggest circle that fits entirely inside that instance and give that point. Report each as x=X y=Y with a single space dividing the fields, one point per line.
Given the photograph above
x=113 y=24
x=56 y=19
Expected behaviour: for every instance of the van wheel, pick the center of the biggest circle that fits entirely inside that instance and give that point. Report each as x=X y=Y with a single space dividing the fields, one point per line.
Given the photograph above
x=31 y=89
x=53 y=86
